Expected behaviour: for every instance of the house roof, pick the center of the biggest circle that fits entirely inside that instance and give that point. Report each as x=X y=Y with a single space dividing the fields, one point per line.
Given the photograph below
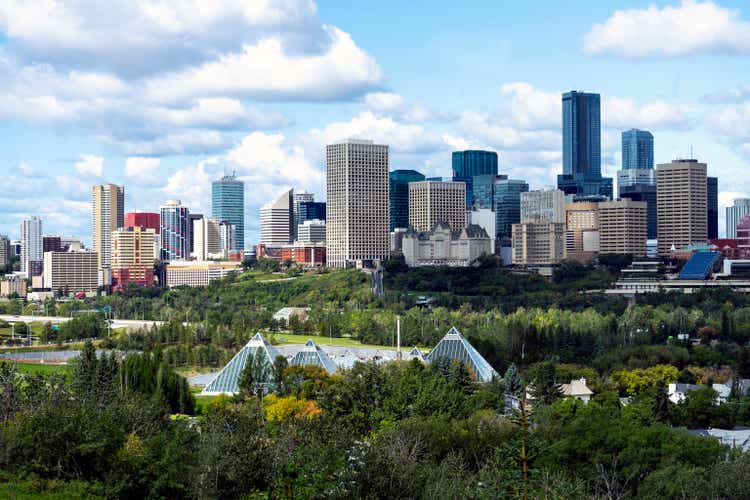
x=576 y=388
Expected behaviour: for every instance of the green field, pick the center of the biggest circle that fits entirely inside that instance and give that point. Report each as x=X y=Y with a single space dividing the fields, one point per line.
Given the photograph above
x=41 y=369
x=290 y=338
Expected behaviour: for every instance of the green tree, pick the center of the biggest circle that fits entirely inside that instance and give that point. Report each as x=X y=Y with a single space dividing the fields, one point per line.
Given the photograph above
x=256 y=376
x=512 y=381
x=544 y=386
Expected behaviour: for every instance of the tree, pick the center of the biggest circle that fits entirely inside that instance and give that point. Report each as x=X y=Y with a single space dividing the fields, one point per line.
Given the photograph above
x=545 y=388
x=86 y=373
x=512 y=381
x=256 y=376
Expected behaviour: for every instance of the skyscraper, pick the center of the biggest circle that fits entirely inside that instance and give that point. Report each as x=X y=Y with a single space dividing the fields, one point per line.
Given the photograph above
x=175 y=231
x=734 y=214
x=133 y=256
x=311 y=210
x=206 y=238
x=681 y=204
x=431 y=202
x=622 y=227
x=548 y=205
x=471 y=163
x=712 y=207
x=507 y=205
x=276 y=221
x=399 y=195
x=31 y=244
x=299 y=198
x=228 y=204
x=582 y=158
x=108 y=204
x=637 y=149
x=357 y=225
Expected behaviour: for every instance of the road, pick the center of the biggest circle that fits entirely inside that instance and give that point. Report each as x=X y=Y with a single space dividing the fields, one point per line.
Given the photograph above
x=130 y=324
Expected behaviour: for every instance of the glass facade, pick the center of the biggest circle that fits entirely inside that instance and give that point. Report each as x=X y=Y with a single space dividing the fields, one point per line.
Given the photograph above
x=228 y=204
x=507 y=205
x=227 y=380
x=471 y=163
x=175 y=230
x=399 y=196
x=712 y=207
x=455 y=347
x=637 y=149
x=312 y=354
x=312 y=210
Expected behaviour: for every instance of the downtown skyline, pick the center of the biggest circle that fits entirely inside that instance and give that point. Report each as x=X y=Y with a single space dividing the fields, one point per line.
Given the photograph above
x=170 y=122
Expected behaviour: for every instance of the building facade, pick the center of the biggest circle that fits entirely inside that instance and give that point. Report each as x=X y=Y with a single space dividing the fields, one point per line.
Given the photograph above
x=399 y=196
x=311 y=231
x=276 y=219
x=431 y=202
x=538 y=243
x=444 y=246
x=681 y=190
x=198 y=273
x=71 y=272
x=133 y=257
x=548 y=205
x=108 y=206
x=207 y=239
x=51 y=244
x=12 y=286
x=637 y=149
x=31 y=244
x=307 y=254
x=507 y=205
x=647 y=194
x=734 y=214
x=228 y=204
x=5 y=252
x=175 y=231
x=622 y=227
x=712 y=207
x=358 y=203
x=471 y=163
x=298 y=200
x=311 y=210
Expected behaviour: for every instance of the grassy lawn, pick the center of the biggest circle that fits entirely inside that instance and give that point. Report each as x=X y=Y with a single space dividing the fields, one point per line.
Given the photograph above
x=290 y=338
x=41 y=369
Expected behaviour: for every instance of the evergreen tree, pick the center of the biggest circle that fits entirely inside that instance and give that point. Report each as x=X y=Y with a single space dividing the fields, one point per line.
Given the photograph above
x=255 y=376
x=86 y=373
x=545 y=388
x=512 y=381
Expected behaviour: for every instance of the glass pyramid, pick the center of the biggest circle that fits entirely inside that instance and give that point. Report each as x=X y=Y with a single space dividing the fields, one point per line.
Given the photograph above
x=455 y=346
x=415 y=353
x=312 y=354
x=226 y=381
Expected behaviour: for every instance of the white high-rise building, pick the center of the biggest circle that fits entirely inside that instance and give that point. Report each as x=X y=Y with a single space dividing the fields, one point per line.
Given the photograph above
x=548 y=205
x=357 y=225
x=108 y=214
x=735 y=213
x=276 y=219
x=31 y=243
x=431 y=202
x=206 y=238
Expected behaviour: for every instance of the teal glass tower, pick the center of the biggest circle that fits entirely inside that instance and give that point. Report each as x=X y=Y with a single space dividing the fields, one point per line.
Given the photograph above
x=399 y=196
x=228 y=204
x=469 y=164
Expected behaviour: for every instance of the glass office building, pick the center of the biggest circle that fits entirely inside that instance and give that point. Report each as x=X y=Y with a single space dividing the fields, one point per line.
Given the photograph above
x=712 y=207
x=311 y=210
x=175 y=230
x=399 y=196
x=228 y=204
x=471 y=163
x=507 y=205
x=637 y=149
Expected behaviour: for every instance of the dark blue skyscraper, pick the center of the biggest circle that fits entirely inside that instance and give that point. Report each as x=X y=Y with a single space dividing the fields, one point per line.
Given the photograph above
x=311 y=210
x=637 y=149
x=228 y=204
x=582 y=155
x=507 y=204
x=399 y=196
x=712 y=207
x=471 y=163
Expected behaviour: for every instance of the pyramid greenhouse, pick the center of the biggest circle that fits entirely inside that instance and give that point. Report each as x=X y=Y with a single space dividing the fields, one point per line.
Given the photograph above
x=226 y=382
x=312 y=354
x=455 y=347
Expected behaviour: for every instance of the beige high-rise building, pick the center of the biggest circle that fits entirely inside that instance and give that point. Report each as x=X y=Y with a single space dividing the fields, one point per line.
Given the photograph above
x=548 y=205
x=681 y=211
x=431 y=202
x=277 y=221
x=207 y=239
x=622 y=227
x=133 y=255
x=538 y=242
x=108 y=204
x=581 y=224
x=357 y=210
x=71 y=272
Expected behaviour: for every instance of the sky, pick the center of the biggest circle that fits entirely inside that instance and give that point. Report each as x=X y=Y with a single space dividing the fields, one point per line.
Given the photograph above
x=164 y=96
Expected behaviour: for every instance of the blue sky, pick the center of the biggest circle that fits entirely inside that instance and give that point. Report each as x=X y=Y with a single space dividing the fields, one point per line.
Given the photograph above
x=165 y=96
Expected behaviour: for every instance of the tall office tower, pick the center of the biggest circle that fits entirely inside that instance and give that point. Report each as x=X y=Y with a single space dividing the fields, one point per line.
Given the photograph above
x=191 y=222
x=507 y=205
x=681 y=205
x=5 y=256
x=637 y=149
x=712 y=207
x=431 y=202
x=276 y=219
x=227 y=237
x=645 y=193
x=547 y=205
x=299 y=198
x=538 y=242
x=399 y=195
x=133 y=256
x=622 y=227
x=51 y=244
x=734 y=214
x=468 y=164
x=483 y=187
x=108 y=204
x=31 y=244
x=582 y=159
x=311 y=210
x=582 y=230
x=175 y=231
x=207 y=239
x=228 y=203
x=357 y=203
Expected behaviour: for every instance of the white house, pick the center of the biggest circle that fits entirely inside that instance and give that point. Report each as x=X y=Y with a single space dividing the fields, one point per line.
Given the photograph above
x=577 y=389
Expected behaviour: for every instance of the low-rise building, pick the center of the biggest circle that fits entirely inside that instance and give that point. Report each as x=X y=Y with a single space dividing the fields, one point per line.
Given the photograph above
x=13 y=285
x=305 y=254
x=71 y=272
x=286 y=313
x=187 y=273
x=577 y=389
x=312 y=231
x=445 y=247
x=538 y=243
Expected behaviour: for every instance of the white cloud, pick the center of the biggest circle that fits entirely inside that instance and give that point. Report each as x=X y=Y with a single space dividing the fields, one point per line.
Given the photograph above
x=265 y=71
x=528 y=107
x=179 y=143
x=143 y=171
x=384 y=101
x=264 y=157
x=626 y=113
x=692 y=27
x=90 y=166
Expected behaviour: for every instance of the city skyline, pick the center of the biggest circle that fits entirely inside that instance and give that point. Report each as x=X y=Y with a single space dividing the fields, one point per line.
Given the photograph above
x=83 y=114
